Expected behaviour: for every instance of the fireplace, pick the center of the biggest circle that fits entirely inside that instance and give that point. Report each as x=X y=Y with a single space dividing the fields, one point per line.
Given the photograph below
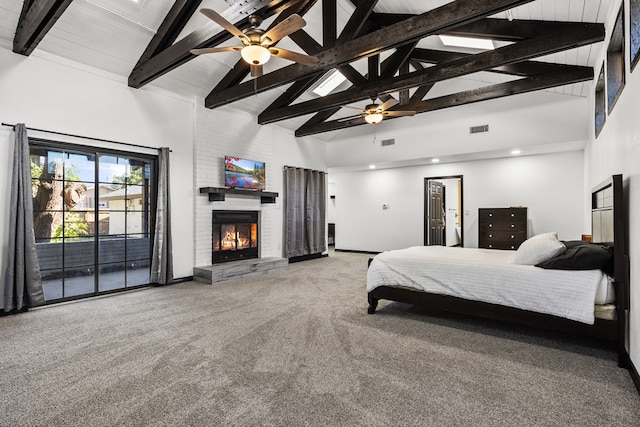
x=234 y=235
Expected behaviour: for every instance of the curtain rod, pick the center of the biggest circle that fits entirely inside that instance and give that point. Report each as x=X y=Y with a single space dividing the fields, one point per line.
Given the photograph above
x=86 y=137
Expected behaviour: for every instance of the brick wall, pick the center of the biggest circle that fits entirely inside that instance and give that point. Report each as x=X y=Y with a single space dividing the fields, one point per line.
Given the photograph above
x=227 y=131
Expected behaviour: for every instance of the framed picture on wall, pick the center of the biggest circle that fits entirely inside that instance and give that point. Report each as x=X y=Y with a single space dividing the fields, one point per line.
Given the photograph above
x=600 y=104
x=634 y=31
x=615 y=62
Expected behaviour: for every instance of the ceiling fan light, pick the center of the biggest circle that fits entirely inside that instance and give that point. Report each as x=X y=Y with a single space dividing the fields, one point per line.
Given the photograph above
x=373 y=118
x=255 y=54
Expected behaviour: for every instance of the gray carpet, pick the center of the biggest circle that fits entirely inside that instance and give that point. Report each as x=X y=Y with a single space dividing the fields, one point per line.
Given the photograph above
x=296 y=348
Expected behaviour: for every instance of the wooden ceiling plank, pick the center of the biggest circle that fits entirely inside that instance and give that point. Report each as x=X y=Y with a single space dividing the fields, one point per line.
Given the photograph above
x=505 y=30
x=413 y=29
x=357 y=23
x=312 y=47
x=175 y=21
x=235 y=76
x=403 y=96
x=392 y=64
x=528 y=84
x=516 y=52
x=354 y=26
x=373 y=66
x=294 y=91
x=36 y=19
x=389 y=67
x=179 y=53
x=423 y=90
x=329 y=23
x=523 y=68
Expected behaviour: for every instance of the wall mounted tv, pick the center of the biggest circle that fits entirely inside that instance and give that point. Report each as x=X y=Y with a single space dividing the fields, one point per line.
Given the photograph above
x=243 y=173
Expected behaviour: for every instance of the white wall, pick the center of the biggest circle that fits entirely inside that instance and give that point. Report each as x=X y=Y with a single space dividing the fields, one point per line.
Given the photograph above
x=617 y=151
x=547 y=119
x=551 y=186
x=48 y=93
x=451 y=210
x=229 y=131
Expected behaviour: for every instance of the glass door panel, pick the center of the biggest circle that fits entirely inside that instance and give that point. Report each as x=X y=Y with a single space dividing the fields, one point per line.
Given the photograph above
x=91 y=215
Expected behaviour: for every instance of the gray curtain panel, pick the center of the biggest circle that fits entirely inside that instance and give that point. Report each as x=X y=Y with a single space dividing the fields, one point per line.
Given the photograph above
x=22 y=279
x=305 y=213
x=162 y=257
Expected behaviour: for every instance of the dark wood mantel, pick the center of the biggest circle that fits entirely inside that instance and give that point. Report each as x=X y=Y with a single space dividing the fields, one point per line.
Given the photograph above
x=217 y=194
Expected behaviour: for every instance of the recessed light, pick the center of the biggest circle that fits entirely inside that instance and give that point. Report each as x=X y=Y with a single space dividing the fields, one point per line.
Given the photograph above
x=435 y=160
x=372 y=166
x=515 y=152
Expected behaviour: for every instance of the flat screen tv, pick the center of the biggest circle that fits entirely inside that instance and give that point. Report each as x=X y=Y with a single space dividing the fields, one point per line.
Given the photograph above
x=243 y=173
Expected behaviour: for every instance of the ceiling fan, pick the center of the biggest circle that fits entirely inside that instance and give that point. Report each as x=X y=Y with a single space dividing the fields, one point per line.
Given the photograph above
x=257 y=43
x=374 y=113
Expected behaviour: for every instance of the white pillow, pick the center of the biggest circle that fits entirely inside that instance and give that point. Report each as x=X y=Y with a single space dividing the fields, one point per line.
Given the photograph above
x=539 y=249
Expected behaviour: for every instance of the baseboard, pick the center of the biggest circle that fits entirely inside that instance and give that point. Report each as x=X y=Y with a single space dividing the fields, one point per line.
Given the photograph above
x=307 y=257
x=183 y=279
x=633 y=371
x=356 y=251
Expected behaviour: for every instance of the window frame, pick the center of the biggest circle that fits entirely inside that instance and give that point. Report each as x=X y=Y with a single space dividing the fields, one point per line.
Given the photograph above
x=148 y=212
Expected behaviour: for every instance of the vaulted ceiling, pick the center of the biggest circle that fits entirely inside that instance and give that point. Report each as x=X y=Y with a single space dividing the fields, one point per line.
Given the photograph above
x=385 y=48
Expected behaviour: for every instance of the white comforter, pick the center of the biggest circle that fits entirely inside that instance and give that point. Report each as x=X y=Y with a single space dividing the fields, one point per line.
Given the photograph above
x=488 y=275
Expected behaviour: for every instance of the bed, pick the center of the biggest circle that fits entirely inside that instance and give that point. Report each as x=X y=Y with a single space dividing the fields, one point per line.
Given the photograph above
x=508 y=286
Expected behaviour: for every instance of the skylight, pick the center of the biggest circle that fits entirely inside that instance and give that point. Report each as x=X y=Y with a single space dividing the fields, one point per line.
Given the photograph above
x=329 y=82
x=467 y=42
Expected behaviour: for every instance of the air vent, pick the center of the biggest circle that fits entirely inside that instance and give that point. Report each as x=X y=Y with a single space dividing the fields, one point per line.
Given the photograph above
x=479 y=129
x=386 y=142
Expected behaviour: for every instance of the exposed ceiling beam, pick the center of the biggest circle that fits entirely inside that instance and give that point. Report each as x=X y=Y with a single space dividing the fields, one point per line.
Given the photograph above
x=523 y=68
x=175 y=21
x=356 y=24
x=329 y=23
x=413 y=29
x=528 y=84
x=179 y=53
x=353 y=28
x=423 y=90
x=36 y=19
x=388 y=68
x=516 y=52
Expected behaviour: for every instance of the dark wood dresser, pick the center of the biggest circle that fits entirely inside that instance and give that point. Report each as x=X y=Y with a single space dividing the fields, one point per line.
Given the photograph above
x=502 y=228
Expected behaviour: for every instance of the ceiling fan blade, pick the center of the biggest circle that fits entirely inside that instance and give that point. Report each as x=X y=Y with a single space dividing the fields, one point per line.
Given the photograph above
x=388 y=104
x=293 y=56
x=220 y=20
x=346 y=119
x=398 y=113
x=215 y=49
x=256 y=70
x=283 y=29
x=353 y=108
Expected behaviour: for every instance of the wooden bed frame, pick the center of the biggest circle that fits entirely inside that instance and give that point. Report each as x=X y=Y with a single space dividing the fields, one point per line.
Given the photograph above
x=608 y=226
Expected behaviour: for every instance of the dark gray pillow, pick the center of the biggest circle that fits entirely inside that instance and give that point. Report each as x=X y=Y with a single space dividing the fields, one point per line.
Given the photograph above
x=581 y=256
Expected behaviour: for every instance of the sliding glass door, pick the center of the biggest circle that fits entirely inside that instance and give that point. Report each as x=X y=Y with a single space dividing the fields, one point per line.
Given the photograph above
x=92 y=218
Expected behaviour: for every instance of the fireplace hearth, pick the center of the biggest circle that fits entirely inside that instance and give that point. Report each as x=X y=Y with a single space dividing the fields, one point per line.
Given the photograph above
x=234 y=235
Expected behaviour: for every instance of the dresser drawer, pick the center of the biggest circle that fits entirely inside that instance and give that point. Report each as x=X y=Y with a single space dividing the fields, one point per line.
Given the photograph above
x=502 y=225
x=502 y=214
x=516 y=236
x=501 y=245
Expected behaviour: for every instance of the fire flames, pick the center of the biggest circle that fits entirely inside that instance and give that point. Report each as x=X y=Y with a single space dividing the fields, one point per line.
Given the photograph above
x=237 y=237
